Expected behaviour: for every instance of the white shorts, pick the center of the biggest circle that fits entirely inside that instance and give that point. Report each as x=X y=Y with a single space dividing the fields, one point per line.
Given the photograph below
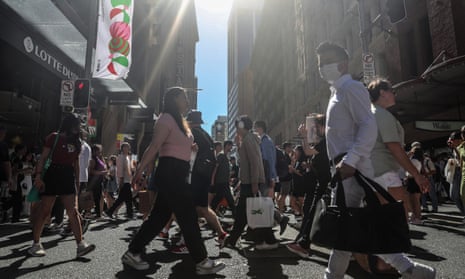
x=389 y=180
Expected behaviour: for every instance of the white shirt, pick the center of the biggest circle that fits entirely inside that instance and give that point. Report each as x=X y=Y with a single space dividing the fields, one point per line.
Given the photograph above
x=123 y=168
x=84 y=159
x=350 y=124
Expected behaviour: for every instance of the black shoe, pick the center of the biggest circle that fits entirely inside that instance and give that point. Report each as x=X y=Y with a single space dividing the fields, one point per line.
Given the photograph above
x=283 y=224
x=85 y=225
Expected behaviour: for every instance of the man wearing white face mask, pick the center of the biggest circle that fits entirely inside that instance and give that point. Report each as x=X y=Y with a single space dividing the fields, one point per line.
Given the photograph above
x=351 y=133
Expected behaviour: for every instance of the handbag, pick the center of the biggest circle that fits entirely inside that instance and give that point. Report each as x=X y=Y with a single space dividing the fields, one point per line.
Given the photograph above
x=33 y=195
x=260 y=212
x=374 y=229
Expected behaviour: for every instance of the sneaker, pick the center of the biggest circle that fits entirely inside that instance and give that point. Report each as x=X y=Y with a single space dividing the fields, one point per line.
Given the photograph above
x=66 y=231
x=85 y=225
x=180 y=250
x=283 y=224
x=37 y=250
x=209 y=266
x=416 y=221
x=108 y=215
x=163 y=235
x=266 y=246
x=54 y=227
x=298 y=250
x=419 y=271
x=222 y=240
x=84 y=248
x=134 y=261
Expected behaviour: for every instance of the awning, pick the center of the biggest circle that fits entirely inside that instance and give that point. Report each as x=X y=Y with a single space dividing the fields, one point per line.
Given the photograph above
x=437 y=95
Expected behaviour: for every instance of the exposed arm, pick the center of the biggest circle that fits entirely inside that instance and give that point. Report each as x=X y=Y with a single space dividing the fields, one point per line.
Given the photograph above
x=40 y=166
x=160 y=133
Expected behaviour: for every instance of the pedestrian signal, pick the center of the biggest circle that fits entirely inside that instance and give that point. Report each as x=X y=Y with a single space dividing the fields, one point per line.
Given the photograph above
x=81 y=93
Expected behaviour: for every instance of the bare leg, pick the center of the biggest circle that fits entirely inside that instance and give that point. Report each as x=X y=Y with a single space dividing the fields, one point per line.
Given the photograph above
x=211 y=218
x=69 y=201
x=44 y=209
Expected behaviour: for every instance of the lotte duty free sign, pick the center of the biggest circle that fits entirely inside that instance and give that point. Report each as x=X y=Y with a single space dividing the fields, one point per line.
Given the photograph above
x=67 y=93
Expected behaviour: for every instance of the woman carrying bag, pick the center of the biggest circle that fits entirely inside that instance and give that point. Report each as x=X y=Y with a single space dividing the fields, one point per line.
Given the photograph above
x=60 y=179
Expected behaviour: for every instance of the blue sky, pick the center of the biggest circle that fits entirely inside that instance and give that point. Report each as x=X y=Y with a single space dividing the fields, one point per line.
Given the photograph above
x=211 y=62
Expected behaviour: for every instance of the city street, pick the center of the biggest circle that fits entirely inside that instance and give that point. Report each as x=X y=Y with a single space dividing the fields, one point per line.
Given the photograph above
x=440 y=243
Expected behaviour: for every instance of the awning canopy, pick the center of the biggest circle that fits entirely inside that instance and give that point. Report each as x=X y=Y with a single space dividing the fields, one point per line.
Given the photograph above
x=437 y=94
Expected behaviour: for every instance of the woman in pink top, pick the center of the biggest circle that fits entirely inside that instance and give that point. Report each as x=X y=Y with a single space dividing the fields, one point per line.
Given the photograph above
x=173 y=140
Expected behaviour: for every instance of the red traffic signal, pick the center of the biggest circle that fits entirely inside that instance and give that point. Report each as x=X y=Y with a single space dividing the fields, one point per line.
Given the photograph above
x=81 y=93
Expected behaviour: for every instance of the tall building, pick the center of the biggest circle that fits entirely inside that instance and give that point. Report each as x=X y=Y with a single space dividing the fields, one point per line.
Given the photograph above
x=242 y=26
x=220 y=129
x=422 y=54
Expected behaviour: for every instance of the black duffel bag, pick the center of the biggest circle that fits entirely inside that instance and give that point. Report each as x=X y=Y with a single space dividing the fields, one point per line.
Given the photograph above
x=374 y=229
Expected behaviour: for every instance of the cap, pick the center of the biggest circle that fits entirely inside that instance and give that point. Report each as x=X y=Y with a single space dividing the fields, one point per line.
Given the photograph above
x=415 y=144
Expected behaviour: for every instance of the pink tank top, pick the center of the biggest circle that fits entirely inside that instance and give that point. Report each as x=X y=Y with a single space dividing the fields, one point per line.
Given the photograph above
x=176 y=145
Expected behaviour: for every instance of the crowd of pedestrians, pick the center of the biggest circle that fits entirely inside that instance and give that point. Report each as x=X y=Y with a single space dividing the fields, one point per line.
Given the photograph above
x=188 y=176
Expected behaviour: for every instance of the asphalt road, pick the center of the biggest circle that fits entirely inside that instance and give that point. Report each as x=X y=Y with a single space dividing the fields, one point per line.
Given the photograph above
x=440 y=243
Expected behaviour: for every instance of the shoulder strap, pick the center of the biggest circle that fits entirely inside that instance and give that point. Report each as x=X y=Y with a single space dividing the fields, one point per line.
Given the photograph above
x=54 y=145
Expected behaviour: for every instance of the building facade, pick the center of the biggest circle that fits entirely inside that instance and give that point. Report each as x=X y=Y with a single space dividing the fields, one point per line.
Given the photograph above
x=286 y=81
x=219 y=129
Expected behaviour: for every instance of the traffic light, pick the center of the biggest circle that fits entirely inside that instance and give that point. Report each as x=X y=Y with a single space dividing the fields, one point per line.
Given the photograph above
x=396 y=10
x=81 y=93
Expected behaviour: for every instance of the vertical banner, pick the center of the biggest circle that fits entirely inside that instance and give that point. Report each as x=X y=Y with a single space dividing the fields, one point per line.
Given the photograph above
x=114 y=39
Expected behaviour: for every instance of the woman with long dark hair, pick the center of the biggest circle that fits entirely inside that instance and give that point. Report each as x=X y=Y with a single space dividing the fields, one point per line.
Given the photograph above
x=60 y=179
x=173 y=141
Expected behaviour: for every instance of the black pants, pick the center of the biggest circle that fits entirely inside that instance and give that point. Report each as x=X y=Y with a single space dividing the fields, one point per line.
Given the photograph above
x=15 y=202
x=223 y=191
x=261 y=234
x=174 y=196
x=97 y=194
x=303 y=238
x=125 y=195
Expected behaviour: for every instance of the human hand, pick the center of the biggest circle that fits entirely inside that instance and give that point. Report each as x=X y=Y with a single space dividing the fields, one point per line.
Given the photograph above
x=254 y=189
x=302 y=130
x=422 y=182
x=345 y=170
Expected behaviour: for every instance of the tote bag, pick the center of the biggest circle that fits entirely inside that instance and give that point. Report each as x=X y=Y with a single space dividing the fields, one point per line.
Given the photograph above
x=374 y=229
x=260 y=212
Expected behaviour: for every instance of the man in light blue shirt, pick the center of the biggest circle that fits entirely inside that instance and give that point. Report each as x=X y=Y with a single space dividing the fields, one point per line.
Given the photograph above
x=351 y=133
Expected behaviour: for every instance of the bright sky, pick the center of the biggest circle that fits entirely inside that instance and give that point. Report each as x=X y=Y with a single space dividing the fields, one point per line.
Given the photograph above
x=211 y=62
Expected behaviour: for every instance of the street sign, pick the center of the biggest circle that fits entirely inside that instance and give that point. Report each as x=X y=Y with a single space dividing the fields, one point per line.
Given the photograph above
x=368 y=62
x=67 y=93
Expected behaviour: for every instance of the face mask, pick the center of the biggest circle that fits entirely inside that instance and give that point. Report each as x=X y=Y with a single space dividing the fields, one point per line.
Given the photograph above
x=330 y=73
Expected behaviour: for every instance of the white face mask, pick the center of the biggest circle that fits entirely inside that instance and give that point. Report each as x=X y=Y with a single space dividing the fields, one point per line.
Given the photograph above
x=330 y=73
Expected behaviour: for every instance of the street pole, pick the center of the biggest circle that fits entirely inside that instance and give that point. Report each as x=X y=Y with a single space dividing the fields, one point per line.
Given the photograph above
x=91 y=37
x=368 y=62
x=363 y=26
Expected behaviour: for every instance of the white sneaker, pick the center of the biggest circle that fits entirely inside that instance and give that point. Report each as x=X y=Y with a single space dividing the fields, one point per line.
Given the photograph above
x=209 y=266
x=134 y=261
x=419 y=271
x=37 y=250
x=84 y=248
x=266 y=246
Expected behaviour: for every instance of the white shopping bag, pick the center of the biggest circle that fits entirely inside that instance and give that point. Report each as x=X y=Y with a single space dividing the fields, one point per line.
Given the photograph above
x=260 y=212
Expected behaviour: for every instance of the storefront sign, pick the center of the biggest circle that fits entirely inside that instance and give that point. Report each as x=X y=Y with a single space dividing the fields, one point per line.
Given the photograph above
x=439 y=125
x=43 y=55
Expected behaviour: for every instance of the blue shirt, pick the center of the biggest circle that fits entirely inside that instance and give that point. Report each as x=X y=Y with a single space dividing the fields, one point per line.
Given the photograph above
x=350 y=124
x=269 y=155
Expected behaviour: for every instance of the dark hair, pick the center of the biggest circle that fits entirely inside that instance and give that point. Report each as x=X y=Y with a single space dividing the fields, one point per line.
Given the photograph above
x=455 y=135
x=287 y=144
x=418 y=154
x=320 y=118
x=302 y=157
x=68 y=124
x=95 y=148
x=261 y=124
x=123 y=144
x=248 y=124
x=232 y=158
x=335 y=49
x=169 y=106
x=376 y=86
x=113 y=158
x=227 y=142
x=217 y=143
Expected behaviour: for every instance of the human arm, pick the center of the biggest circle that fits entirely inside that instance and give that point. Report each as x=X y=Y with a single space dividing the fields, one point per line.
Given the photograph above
x=160 y=133
x=38 y=183
x=401 y=158
x=76 y=174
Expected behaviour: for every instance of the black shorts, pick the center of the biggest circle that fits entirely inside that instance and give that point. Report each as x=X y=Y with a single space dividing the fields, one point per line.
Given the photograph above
x=59 y=181
x=412 y=186
x=200 y=187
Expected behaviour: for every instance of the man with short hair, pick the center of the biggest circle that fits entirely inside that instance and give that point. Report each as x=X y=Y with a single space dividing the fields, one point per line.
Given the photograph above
x=221 y=177
x=351 y=133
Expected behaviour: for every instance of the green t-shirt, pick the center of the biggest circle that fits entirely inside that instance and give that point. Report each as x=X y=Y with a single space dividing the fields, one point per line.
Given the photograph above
x=389 y=130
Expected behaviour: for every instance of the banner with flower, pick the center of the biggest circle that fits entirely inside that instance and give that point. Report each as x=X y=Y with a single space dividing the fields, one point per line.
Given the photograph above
x=114 y=39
